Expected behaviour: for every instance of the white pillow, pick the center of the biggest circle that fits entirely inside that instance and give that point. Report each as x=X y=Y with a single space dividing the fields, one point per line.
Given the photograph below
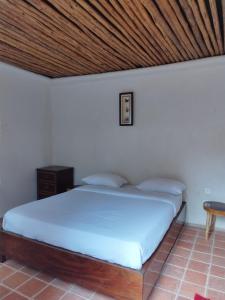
x=106 y=179
x=162 y=185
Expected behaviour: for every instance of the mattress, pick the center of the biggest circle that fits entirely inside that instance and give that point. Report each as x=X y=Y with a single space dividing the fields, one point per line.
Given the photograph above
x=118 y=225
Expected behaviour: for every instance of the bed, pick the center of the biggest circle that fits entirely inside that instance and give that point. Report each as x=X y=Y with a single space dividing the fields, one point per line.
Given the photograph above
x=96 y=235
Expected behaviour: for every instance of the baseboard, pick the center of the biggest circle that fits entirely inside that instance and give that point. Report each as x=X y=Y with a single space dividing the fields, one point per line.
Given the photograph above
x=203 y=226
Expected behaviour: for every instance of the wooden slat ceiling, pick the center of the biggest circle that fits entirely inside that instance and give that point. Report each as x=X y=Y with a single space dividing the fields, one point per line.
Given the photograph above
x=58 y=38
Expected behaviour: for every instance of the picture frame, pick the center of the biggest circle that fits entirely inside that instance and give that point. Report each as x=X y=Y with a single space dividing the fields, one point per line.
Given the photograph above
x=126 y=109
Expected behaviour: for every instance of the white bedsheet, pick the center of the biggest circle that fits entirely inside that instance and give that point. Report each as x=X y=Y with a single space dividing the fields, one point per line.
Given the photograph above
x=119 y=225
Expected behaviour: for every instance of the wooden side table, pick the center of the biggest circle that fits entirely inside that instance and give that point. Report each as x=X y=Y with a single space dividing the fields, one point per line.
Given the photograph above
x=53 y=180
x=213 y=210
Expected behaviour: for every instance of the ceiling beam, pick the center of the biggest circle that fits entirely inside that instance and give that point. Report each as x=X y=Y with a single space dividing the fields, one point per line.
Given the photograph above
x=125 y=13
x=174 y=23
x=185 y=26
x=198 y=17
x=216 y=24
x=194 y=26
x=154 y=34
x=206 y=19
x=76 y=37
x=165 y=29
x=87 y=42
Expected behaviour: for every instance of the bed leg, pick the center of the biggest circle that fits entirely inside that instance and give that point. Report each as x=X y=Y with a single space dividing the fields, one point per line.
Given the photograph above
x=2 y=258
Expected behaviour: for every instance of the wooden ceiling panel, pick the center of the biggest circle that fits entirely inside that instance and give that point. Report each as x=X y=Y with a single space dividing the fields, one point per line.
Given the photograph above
x=59 y=38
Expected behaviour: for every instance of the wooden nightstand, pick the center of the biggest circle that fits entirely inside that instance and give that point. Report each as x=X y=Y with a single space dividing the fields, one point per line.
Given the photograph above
x=53 y=180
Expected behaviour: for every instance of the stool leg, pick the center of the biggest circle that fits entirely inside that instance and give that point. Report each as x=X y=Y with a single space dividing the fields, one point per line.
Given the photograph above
x=213 y=223
x=208 y=225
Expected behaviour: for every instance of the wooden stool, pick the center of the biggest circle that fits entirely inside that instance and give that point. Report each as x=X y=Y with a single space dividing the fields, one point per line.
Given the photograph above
x=213 y=210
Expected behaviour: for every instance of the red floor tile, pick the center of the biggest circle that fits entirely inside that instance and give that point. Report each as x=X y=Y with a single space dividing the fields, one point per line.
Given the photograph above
x=203 y=248
x=159 y=294
x=16 y=279
x=199 y=256
x=195 y=277
x=156 y=266
x=173 y=271
x=220 y=244
x=14 y=264
x=14 y=296
x=31 y=287
x=151 y=277
x=218 y=261
x=184 y=244
x=190 y=289
x=71 y=296
x=215 y=295
x=204 y=242
x=187 y=237
x=181 y=252
x=219 y=252
x=168 y=283
x=217 y=271
x=45 y=277
x=29 y=271
x=3 y=291
x=220 y=236
x=217 y=283
x=50 y=293
x=81 y=291
x=62 y=284
x=5 y=272
x=190 y=230
x=177 y=261
x=198 y=266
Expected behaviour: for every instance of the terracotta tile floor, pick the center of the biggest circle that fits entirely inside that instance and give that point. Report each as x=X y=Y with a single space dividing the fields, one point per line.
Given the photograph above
x=194 y=266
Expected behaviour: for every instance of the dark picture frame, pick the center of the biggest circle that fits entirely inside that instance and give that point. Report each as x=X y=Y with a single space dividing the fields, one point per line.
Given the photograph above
x=126 y=107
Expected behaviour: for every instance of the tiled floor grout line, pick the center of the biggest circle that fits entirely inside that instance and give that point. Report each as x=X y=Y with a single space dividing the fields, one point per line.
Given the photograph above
x=31 y=277
x=213 y=264
x=71 y=290
x=8 y=276
x=13 y=291
x=179 y=286
x=187 y=280
x=56 y=286
x=8 y=287
x=219 y=249
x=41 y=290
x=24 y=282
x=51 y=283
x=168 y=291
x=210 y=265
x=185 y=269
x=217 y=291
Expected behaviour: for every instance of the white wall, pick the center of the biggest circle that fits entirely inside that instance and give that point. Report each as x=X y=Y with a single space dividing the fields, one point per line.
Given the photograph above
x=179 y=128
x=24 y=134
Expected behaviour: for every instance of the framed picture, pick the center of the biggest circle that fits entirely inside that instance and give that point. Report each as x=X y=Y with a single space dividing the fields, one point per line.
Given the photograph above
x=126 y=109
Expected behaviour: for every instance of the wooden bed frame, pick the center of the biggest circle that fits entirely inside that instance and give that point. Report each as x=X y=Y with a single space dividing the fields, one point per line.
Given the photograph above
x=110 y=279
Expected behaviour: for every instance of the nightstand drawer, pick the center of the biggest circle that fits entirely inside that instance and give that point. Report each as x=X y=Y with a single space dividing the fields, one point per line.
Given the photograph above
x=47 y=176
x=46 y=186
